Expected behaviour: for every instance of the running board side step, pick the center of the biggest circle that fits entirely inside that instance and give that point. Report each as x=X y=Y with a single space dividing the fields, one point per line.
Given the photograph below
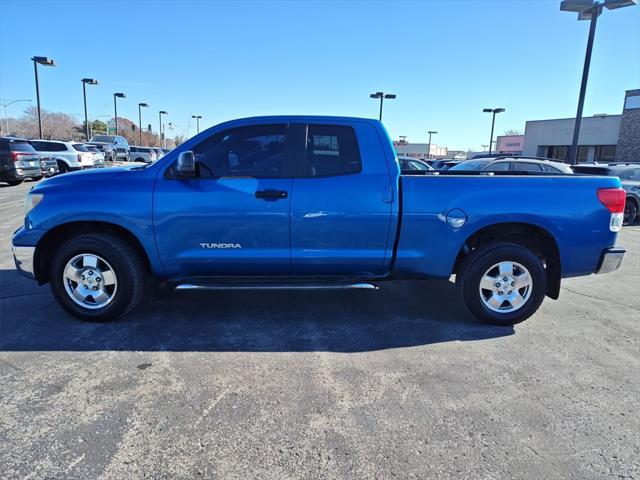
x=284 y=286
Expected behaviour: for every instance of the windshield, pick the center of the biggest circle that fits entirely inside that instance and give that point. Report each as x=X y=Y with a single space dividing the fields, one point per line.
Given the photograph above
x=103 y=138
x=470 y=165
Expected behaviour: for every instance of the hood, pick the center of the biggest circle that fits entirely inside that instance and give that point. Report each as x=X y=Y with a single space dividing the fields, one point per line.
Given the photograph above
x=85 y=176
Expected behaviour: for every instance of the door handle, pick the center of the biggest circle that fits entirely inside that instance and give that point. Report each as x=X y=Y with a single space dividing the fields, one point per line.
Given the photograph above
x=272 y=194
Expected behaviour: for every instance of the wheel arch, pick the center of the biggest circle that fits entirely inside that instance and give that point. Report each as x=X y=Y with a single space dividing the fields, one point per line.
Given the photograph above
x=55 y=237
x=534 y=237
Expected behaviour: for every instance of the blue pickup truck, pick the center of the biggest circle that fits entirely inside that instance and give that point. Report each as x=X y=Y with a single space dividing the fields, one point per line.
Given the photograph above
x=309 y=202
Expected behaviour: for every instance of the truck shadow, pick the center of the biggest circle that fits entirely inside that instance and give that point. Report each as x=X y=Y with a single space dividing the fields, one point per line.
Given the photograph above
x=400 y=314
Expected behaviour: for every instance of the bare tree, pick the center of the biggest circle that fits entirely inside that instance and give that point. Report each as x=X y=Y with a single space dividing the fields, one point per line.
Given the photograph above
x=55 y=126
x=513 y=131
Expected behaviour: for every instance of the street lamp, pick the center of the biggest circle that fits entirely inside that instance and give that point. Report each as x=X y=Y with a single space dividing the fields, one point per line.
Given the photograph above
x=140 y=105
x=160 y=113
x=85 y=81
x=115 y=107
x=47 y=62
x=403 y=140
x=587 y=10
x=197 y=117
x=493 y=121
x=430 y=132
x=382 y=96
x=6 y=118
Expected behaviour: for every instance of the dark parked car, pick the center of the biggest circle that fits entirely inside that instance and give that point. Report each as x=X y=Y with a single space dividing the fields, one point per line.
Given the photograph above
x=513 y=164
x=629 y=174
x=18 y=161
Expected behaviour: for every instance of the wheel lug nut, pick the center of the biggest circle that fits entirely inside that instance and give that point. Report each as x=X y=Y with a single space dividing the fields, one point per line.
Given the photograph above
x=498 y=284
x=91 y=273
x=98 y=279
x=82 y=277
x=500 y=293
x=509 y=292
x=95 y=288
x=513 y=284
x=505 y=279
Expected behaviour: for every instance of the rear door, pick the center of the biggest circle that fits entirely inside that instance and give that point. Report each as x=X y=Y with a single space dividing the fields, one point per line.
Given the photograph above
x=233 y=218
x=342 y=203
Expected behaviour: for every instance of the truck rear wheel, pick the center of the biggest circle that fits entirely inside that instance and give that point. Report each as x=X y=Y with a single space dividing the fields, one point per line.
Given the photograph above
x=503 y=283
x=97 y=277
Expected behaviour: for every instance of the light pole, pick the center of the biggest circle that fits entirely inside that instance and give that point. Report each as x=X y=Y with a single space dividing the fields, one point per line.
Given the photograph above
x=587 y=10
x=5 y=105
x=86 y=81
x=197 y=117
x=140 y=105
x=382 y=96
x=493 y=121
x=160 y=113
x=403 y=141
x=47 y=62
x=430 y=132
x=115 y=108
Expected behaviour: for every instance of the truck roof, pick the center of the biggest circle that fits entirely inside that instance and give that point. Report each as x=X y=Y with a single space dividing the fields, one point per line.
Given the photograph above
x=298 y=119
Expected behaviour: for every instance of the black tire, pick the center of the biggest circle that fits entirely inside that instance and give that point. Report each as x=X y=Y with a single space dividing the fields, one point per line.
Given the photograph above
x=14 y=183
x=62 y=167
x=630 y=212
x=481 y=261
x=127 y=266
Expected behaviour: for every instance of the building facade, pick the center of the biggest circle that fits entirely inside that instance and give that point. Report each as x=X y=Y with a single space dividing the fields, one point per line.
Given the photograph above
x=419 y=150
x=603 y=138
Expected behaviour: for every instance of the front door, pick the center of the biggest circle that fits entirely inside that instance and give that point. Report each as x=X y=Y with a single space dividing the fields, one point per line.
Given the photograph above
x=233 y=217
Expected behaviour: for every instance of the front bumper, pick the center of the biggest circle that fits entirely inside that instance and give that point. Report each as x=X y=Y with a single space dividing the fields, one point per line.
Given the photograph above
x=23 y=258
x=611 y=259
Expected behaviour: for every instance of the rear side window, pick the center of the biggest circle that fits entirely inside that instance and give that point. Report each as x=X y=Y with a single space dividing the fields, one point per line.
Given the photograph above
x=332 y=150
x=257 y=151
x=17 y=146
x=630 y=174
x=526 y=167
x=79 y=147
x=43 y=146
x=550 y=169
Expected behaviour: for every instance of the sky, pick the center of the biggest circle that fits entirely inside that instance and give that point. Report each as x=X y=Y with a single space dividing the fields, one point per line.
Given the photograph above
x=445 y=61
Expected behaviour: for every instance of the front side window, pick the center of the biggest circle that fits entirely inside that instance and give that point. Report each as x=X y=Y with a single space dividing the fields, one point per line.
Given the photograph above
x=498 y=167
x=256 y=151
x=332 y=150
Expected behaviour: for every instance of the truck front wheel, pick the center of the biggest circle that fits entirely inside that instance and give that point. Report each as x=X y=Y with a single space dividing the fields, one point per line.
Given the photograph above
x=503 y=283
x=97 y=277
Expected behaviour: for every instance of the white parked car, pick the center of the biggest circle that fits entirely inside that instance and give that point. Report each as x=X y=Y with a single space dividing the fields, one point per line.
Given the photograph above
x=98 y=156
x=142 y=154
x=69 y=155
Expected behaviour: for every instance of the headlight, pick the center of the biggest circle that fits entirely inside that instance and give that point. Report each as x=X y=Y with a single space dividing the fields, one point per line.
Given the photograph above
x=31 y=201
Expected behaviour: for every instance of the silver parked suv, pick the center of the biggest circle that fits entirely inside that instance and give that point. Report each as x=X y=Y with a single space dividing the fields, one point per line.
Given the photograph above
x=119 y=143
x=143 y=154
x=69 y=156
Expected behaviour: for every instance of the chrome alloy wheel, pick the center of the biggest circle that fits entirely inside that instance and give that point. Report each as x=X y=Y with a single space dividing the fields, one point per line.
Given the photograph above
x=90 y=281
x=506 y=287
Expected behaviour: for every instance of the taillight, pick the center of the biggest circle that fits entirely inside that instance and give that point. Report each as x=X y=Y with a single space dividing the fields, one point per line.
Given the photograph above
x=614 y=199
x=15 y=155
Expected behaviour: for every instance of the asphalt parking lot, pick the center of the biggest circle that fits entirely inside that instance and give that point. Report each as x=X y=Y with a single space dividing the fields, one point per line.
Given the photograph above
x=400 y=383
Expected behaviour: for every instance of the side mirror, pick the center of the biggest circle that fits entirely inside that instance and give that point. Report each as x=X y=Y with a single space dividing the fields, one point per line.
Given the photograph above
x=186 y=165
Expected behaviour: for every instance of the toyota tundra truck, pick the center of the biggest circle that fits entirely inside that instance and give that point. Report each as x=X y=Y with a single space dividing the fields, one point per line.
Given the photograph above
x=310 y=202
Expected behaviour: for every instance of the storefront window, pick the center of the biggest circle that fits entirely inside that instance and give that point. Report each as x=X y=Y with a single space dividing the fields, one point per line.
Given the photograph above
x=605 y=153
